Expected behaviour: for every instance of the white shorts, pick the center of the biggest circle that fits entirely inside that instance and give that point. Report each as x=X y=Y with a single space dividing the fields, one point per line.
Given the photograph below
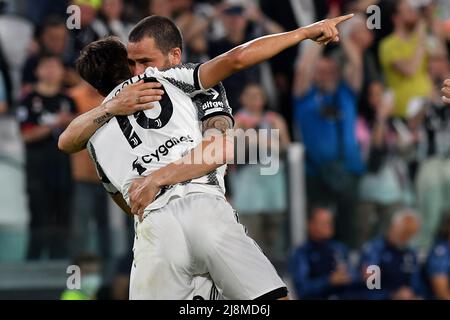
x=191 y=240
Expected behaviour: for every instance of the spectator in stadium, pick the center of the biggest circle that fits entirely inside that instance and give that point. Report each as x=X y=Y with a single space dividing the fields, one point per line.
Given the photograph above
x=51 y=39
x=13 y=48
x=320 y=268
x=397 y=260
x=433 y=179
x=261 y=199
x=90 y=279
x=111 y=22
x=325 y=119
x=192 y=18
x=403 y=57
x=290 y=15
x=357 y=40
x=90 y=202
x=438 y=263
x=37 y=11
x=43 y=115
x=384 y=187
x=240 y=26
x=86 y=34
x=193 y=27
x=157 y=7
x=13 y=202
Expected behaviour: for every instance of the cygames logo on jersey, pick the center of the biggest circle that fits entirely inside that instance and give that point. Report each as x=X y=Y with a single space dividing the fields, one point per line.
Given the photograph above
x=162 y=151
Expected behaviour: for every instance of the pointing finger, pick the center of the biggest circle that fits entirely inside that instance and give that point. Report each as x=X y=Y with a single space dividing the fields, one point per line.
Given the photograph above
x=340 y=19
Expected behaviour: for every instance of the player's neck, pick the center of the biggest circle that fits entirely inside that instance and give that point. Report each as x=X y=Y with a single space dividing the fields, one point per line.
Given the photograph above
x=47 y=89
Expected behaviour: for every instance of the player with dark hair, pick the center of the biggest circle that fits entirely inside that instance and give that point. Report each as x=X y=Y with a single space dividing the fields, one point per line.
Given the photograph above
x=95 y=58
x=188 y=228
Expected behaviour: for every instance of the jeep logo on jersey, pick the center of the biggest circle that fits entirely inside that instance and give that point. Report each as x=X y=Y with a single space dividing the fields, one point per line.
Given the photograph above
x=138 y=166
x=164 y=149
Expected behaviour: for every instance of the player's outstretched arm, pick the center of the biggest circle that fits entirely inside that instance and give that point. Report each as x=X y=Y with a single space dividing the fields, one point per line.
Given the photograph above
x=264 y=48
x=132 y=98
x=446 y=92
x=216 y=149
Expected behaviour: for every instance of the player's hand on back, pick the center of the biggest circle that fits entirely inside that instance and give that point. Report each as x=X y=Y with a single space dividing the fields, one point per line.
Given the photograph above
x=325 y=31
x=142 y=192
x=135 y=97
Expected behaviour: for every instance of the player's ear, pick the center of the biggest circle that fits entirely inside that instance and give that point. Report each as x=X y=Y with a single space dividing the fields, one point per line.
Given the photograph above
x=175 y=56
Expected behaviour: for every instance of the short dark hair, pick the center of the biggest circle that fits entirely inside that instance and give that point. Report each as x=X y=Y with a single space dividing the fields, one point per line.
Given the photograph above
x=50 y=21
x=104 y=64
x=163 y=30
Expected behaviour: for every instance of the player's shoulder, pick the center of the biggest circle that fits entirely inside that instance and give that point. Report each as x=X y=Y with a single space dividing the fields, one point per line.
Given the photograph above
x=183 y=76
x=182 y=66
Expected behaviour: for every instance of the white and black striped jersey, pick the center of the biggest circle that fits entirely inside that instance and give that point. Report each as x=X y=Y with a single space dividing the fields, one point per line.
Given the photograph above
x=129 y=147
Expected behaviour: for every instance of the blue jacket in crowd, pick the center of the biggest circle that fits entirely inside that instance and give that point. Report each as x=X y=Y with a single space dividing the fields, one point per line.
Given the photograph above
x=321 y=135
x=438 y=263
x=311 y=266
x=399 y=267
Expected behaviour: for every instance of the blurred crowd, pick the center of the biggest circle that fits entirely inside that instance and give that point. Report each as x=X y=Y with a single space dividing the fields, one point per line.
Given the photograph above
x=367 y=111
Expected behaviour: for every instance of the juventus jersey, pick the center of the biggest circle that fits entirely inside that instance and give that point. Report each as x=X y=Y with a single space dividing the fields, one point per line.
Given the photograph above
x=129 y=147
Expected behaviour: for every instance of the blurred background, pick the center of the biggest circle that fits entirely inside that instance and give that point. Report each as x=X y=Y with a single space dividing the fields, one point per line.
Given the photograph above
x=364 y=173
